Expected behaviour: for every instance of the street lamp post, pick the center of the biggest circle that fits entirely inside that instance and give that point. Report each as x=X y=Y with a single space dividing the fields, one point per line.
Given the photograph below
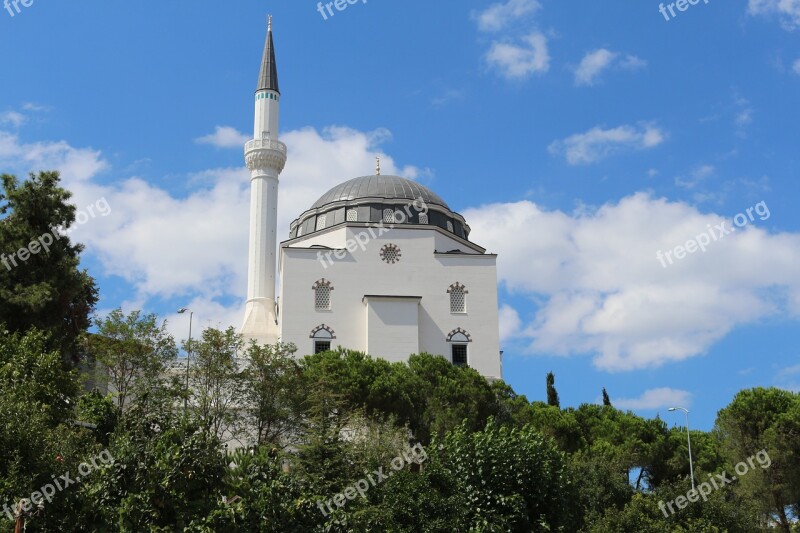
x=188 y=355
x=689 y=437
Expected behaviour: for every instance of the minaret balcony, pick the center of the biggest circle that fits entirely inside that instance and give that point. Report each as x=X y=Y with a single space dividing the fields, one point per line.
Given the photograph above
x=260 y=154
x=264 y=144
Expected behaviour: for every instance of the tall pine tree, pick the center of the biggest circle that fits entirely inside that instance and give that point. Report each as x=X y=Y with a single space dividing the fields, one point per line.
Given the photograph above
x=41 y=283
x=552 y=393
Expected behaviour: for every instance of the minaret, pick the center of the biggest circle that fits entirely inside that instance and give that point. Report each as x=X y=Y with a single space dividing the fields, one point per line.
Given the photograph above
x=265 y=156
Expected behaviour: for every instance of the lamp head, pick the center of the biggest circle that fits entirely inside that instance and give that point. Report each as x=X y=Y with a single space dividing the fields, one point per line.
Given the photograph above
x=182 y=310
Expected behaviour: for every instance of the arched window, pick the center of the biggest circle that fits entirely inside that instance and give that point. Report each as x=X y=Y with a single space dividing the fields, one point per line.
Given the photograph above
x=321 y=222
x=388 y=216
x=423 y=218
x=322 y=295
x=322 y=336
x=458 y=298
x=459 y=347
x=352 y=215
x=450 y=226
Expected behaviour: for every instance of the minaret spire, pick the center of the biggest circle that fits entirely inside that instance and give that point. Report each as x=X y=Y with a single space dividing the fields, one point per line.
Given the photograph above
x=268 y=77
x=265 y=156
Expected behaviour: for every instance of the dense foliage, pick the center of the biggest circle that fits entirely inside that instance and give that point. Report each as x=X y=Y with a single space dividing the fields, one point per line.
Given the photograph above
x=252 y=438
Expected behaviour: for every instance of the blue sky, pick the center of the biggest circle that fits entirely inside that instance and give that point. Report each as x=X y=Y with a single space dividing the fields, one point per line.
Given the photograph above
x=577 y=138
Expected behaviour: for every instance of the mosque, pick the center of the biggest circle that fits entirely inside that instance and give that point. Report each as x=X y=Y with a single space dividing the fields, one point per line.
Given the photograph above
x=378 y=264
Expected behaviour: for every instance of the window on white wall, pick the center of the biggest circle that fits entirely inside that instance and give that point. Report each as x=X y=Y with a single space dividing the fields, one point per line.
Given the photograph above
x=322 y=295
x=458 y=353
x=458 y=298
x=459 y=340
x=322 y=346
x=321 y=337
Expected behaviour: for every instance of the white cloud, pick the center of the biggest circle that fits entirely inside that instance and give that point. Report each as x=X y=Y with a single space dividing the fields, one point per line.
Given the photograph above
x=448 y=96
x=596 y=62
x=632 y=63
x=498 y=16
x=698 y=175
x=655 y=399
x=31 y=106
x=703 y=171
x=76 y=164
x=787 y=10
x=14 y=118
x=796 y=67
x=224 y=137
x=744 y=117
x=592 y=65
x=509 y=322
x=598 y=143
x=790 y=371
x=602 y=292
x=520 y=61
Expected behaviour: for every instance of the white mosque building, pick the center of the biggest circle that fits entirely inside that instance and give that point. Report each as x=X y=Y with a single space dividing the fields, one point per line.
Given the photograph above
x=379 y=264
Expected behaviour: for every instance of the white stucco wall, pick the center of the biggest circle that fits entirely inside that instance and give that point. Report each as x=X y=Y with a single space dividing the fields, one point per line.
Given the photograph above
x=420 y=273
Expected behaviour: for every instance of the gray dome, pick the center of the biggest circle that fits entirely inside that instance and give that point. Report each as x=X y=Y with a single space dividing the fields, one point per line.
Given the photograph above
x=387 y=187
x=378 y=200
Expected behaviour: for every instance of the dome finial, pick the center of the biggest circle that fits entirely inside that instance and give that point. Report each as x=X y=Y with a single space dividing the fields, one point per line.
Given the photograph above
x=378 y=166
x=269 y=22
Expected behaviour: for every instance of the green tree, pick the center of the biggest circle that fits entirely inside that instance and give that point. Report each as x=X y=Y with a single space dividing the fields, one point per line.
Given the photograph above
x=606 y=399
x=38 y=439
x=167 y=475
x=552 y=393
x=722 y=512
x=499 y=479
x=261 y=496
x=216 y=392
x=94 y=408
x=134 y=352
x=272 y=393
x=48 y=290
x=767 y=420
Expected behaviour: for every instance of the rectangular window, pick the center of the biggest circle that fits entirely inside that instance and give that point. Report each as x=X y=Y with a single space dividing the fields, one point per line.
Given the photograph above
x=458 y=303
x=459 y=352
x=322 y=298
x=322 y=346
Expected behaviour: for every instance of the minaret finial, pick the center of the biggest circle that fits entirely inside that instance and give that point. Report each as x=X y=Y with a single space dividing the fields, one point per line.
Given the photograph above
x=378 y=166
x=269 y=22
